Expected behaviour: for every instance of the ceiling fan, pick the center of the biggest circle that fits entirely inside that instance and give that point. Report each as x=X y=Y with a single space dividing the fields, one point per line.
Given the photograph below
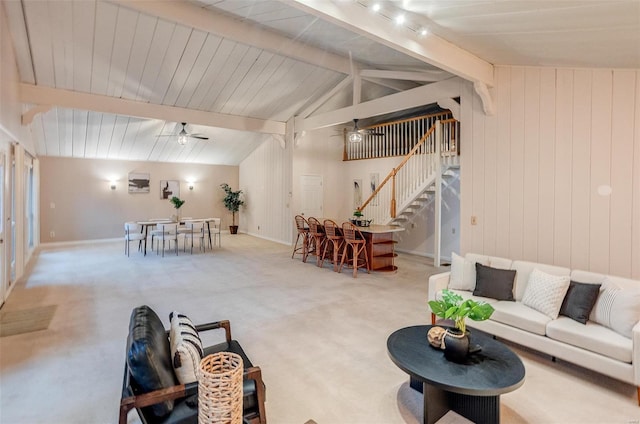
x=356 y=134
x=183 y=135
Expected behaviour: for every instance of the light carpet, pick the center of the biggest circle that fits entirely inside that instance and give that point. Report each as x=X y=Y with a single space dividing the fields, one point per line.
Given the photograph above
x=319 y=337
x=25 y=320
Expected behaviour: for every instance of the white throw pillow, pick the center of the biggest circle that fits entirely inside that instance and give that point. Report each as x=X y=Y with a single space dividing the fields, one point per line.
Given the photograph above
x=463 y=273
x=617 y=308
x=545 y=292
x=186 y=348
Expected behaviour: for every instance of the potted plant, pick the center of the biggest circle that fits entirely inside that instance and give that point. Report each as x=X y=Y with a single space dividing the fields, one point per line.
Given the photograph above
x=177 y=203
x=232 y=202
x=455 y=343
x=357 y=217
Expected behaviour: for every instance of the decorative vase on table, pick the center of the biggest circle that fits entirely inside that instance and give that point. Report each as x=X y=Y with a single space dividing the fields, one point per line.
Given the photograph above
x=455 y=345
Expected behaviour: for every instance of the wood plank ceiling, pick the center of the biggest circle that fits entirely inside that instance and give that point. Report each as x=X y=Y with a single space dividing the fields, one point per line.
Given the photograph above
x=236 y=69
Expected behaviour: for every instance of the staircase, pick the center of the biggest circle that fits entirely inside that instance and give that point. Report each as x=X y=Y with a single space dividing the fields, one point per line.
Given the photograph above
x=418 y=180
x=412 y=184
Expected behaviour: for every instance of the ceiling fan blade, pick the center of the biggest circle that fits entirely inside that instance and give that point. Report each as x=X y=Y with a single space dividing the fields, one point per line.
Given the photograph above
x=198 y=136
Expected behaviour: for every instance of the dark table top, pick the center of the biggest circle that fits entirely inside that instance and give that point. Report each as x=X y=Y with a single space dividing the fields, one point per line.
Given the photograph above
x=494 y=370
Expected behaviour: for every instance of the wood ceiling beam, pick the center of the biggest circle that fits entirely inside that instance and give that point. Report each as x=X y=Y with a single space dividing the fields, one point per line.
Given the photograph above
x=427 y=76
x=190 y=15
x=39 y=95
x=419 y=96
x=430 y=49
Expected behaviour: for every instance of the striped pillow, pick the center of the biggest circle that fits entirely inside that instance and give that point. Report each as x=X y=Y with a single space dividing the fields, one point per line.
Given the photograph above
x=617 y=308
x=186 y=347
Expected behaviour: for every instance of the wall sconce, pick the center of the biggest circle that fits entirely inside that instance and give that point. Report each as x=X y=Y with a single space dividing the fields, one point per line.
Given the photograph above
x=190 y=186
x=112 y=185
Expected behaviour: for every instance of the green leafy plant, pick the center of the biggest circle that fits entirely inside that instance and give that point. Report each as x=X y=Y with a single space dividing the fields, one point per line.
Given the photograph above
x=177 y=203
x=357 y=213
x=232 y=200
x=454 y=307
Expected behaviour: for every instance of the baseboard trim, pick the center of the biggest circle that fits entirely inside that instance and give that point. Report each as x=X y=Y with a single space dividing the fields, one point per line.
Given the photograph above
x=423 y=254
x=286 y=243
x=49 y=245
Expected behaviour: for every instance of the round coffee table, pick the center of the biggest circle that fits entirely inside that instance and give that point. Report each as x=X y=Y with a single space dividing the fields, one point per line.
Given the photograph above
x=471 y=389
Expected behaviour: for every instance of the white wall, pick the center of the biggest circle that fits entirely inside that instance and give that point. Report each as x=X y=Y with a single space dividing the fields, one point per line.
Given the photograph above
x=265 y=179
x=86 y=208
x=531 y=173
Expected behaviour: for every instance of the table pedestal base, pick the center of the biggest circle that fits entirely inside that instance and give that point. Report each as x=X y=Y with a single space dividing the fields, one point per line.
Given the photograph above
x=437 y=402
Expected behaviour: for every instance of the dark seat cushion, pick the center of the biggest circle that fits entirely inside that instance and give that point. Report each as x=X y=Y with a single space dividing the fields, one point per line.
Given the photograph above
x=149 y=355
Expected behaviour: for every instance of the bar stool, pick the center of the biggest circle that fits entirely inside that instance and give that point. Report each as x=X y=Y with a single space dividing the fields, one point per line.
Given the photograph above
x=334 y=242
x=303 y=232
x=354 y=239
x=316 y=231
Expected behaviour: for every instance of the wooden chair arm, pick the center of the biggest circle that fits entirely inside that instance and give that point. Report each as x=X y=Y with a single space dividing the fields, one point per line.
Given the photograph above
x=213 y=326
x=254 y=373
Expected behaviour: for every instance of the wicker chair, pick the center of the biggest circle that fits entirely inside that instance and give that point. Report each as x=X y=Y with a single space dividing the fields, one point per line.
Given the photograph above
x=318 y=239
x=354 y=240
x=333 y=244
x=303 y=235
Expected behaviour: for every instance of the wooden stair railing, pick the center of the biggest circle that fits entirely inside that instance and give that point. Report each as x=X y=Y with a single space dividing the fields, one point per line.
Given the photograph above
x=421 y=159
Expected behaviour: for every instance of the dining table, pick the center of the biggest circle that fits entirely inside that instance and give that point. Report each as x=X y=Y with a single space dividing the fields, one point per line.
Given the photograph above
x=153 y=222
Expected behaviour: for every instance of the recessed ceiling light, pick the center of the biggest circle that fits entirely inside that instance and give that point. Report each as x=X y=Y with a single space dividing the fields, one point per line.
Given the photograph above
x=376 y=7
x=400 y=19
x=424 y=32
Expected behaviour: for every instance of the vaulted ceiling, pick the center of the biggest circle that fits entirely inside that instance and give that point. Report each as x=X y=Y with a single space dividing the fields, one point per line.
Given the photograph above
x=114 y=79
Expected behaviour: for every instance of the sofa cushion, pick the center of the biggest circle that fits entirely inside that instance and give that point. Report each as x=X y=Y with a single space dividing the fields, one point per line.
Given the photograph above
x=592 y=337
x=545 y=292
x=500 y=263
x=579 y=301
x=463 y=273
x=515 y=314
x=524 y=269
x=186 y=348
x=468 y=295
x=493 y=282
x=149 y=356
x=617 y=308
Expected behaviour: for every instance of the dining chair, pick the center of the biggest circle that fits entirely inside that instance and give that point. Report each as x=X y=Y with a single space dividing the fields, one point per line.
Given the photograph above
x=354 y=240
x=333 y=243
x=215 y=225
x=303 y=235
x=133 y=232
x=165 y=232
x=316 y=231
x=192 y=230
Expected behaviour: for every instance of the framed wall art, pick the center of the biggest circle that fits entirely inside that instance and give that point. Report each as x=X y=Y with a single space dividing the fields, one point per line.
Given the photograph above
x=169 y=188
x=139 y=182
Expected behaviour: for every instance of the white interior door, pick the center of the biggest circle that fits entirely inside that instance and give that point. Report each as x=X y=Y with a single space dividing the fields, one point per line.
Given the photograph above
x=311 y=195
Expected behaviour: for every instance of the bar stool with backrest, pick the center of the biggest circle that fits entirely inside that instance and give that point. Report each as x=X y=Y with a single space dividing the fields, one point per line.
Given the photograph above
x=316 y=231
x=333 y=243
x=354 y=239
x=303 y=235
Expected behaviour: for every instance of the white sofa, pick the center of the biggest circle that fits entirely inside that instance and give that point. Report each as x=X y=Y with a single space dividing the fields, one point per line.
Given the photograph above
x=591 y=345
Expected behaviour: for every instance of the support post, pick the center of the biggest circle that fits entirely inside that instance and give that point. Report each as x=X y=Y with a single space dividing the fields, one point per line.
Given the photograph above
x=393 y=194
x=438 y=203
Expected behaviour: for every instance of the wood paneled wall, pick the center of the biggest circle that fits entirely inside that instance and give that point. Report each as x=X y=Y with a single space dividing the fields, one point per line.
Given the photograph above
x=265 y=178
x=534 y=173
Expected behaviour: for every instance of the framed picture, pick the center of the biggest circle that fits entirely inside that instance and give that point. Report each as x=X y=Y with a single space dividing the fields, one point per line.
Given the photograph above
x=138 y=182
x=357 y=194
x=169 y=188
x=373 y=182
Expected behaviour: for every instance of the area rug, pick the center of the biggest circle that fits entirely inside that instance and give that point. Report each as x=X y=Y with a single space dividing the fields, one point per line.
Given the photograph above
x=26 y=320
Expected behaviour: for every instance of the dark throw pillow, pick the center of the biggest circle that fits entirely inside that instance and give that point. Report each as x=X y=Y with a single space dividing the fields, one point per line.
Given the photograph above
x=494 y=282
x=579 y=301
x=149 y=355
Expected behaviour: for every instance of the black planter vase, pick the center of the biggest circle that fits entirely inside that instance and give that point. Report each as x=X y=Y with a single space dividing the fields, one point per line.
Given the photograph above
x=455 y=345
